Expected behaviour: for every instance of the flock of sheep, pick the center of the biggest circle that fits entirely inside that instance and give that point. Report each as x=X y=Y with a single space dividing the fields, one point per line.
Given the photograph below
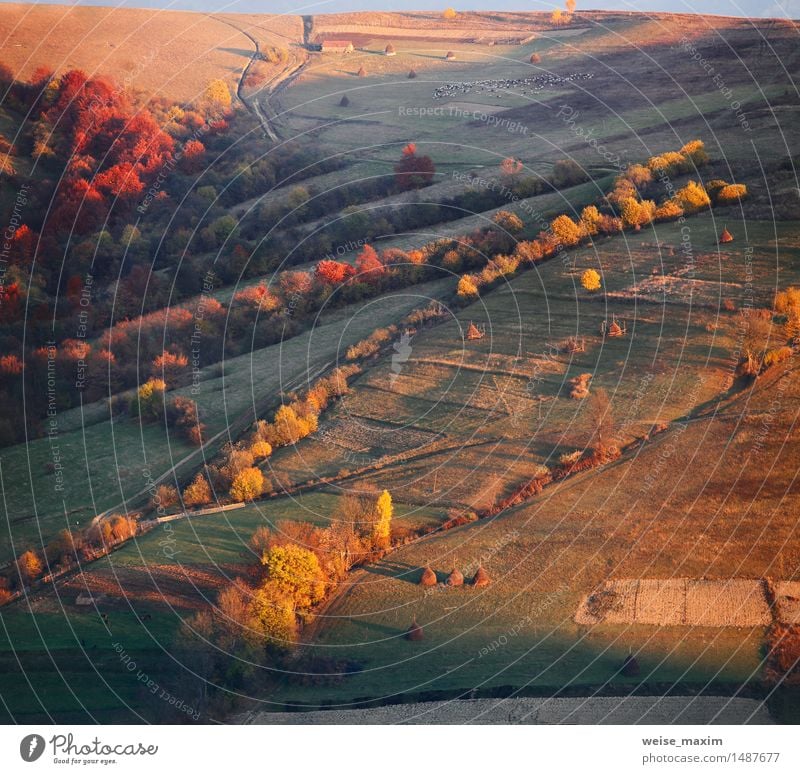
x=534 y=84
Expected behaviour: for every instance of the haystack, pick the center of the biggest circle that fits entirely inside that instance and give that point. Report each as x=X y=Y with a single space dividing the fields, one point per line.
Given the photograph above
x=389 y=50
x=412 y=73
x=725 y=236
x=630 y=666
x=428 y=577
x=361 y=72
x=450 y=55
x=580 y=386
x=414 y=632
x=481 y=579
x=455 y=578
x=473 y=332
x=344 y=101
x=613 y=330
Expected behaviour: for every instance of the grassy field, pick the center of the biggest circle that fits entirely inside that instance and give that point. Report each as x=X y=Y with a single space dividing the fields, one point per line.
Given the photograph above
x=107 y=462
x=459 y=425
x=145 y=588
x=702 y=520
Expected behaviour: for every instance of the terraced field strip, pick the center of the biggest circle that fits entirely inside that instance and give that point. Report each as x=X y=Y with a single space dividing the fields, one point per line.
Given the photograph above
x=739 y=602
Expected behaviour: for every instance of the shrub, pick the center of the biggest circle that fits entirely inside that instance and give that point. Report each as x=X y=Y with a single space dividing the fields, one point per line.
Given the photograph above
x=260 y=450
x=637 y=213
x=590 y=220
x=774 y=356
x=591 y=281
x=467 y=287
x=508 y=221
x=148 y=403
x=567 y=172
x=198 y=492
x=669 y=210
x=566 y=231
x=165 y=496
x=693 y=197
x=730 y=194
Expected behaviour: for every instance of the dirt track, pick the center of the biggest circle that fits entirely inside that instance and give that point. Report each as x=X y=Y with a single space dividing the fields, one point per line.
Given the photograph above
x=697 y=710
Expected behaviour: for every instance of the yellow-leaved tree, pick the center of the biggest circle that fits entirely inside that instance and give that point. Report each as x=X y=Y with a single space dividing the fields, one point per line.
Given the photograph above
x=296 y=572
x=590 y=280
x=248 y=484
x=467 y=287
x=218 y=96
x=382 y=532
x=449 y=13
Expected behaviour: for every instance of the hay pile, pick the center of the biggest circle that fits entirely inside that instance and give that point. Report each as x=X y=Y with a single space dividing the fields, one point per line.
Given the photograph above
x=455 y=578
x=481 y=579
x=414 y=633
x=580 y=386
x=428 y=577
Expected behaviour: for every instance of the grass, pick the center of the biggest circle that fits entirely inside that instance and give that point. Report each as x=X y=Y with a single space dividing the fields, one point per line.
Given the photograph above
x=105 y=462
x=150 y=585
x=462 y=425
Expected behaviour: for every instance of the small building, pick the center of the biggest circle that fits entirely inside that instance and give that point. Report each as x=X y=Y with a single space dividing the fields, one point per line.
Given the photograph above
x=336 y=47
x=725 y=236
x=450 y=56
x=389 y=50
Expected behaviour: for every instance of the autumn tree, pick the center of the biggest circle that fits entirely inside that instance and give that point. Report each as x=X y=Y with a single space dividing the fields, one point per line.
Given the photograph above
x=296 y=572
x=590 y=279
x=272 y=611
x=218 y=97
x=590 y=220
x=169 y=367
x=731 y=193
x=368 y=266
x=148 y=403
x=165 y=496
x=567 y=172
x=508 y=221
x=382 y=531
x=510 y=168
x=449 y=13
x=260 y=449
x=413 y=171
x=29 y=566
x=693 y=197
x=566 y=230
x=198 y=492
x=247 y=484
x=467 y=288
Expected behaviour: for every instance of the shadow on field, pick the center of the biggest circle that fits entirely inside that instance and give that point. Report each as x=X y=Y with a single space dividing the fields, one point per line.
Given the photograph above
x=403 y=571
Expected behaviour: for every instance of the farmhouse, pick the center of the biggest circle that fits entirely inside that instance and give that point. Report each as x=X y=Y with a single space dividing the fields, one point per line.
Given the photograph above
x=336 y=47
